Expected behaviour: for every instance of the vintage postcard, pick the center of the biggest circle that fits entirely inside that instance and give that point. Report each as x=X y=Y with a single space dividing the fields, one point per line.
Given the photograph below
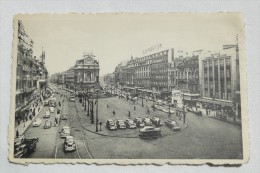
x=129 y=89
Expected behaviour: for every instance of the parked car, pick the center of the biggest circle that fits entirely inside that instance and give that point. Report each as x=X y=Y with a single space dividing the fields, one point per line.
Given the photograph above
x=147 y=121
x=120 y=124
x=164 y=102
x=52 y=109
x=72 y=99
x=172 y=124
x=64 y=116
x=166 y=110
x=156 y=121
x=69 y=144
x=65 y=131
x=37 y=122
x=149 y=132
x=47 y=124
x=139 y=122
x=46 y=102
x=130 y=123
x=47 y=114
x=111 y=125
x=159 y=107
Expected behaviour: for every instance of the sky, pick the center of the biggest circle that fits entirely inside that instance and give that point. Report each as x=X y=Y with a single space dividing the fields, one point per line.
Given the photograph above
x=114 y=38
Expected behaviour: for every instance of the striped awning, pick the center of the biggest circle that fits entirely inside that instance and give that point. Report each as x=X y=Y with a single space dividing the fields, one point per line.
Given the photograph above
x=218 y=102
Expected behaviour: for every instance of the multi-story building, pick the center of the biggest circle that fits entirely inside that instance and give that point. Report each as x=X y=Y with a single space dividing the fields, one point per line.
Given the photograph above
x=220 y=81
x=69 y=78
x=31 y=73
x=86 y=71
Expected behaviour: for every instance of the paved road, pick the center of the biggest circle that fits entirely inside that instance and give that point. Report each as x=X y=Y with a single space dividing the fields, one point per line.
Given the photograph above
x=202 y=138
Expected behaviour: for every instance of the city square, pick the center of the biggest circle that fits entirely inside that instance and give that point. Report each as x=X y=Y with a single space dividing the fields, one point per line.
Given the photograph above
x=153 y=101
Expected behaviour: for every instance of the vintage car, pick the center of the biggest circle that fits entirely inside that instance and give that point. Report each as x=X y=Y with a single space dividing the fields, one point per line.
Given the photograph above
x=172 y=124
x=47 y=114
x=147 y=121
x=139 y=122
x=37 y=122
x=130 y=123
x=46 y=102
x=47 y=124
x=159 y=107
x=64 y=116
x=52 y=109
x=111 y=125
x=156 y=121
x=120 y=124
x=149 y=132
x=72 y=99
x=65 y=131
x=69 y=144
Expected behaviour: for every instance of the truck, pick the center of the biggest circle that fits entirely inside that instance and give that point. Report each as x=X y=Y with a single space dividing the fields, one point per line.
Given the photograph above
x=23 y=147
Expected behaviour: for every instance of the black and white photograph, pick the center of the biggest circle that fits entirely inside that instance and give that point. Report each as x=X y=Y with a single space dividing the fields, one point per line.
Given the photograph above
x=131 y=88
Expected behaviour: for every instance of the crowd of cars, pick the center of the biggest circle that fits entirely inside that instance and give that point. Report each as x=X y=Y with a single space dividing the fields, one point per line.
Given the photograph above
x=150 y=127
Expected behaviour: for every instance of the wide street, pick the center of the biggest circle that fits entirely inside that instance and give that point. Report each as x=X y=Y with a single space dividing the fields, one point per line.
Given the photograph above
x=200 y=137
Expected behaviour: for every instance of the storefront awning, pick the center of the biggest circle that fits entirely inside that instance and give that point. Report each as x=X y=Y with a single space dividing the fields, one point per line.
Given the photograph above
x=217 y=102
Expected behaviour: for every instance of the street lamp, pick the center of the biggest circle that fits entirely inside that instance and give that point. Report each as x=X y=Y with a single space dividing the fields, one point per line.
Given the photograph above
x=142 y=99
x=97 y=111
x=183 y=107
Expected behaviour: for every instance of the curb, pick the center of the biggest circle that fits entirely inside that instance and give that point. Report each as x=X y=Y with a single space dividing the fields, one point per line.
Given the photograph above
x=116 y=136
x=230 y=122
x=30 y=122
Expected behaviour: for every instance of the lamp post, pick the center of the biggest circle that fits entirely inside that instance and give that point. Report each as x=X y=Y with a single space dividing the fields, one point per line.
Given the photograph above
x=142 y=99
x=88 y=95
x=91 y=110
x=183 y=107
x=153 y=101
x=97 y=111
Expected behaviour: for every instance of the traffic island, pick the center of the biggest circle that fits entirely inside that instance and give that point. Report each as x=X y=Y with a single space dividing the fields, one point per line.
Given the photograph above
x=121 y=133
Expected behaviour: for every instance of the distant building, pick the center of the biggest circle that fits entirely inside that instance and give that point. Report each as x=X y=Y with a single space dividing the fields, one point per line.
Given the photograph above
x=86 y=71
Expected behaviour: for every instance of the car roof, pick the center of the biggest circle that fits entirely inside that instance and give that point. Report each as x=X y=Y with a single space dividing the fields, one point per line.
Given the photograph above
x=69 y=137
x=148 y=127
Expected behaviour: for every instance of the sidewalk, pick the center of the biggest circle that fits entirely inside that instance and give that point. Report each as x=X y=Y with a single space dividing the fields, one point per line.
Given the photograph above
x=24 y=125
x=212 y=114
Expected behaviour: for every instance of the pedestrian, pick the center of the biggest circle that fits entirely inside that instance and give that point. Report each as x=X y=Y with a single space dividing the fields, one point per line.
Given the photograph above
x=18 y=121
x=148 y=111
x=114 y=113
x=100 y=126
x=129 y=114
x=17 y=133
x=134 y=108
x=107 y=106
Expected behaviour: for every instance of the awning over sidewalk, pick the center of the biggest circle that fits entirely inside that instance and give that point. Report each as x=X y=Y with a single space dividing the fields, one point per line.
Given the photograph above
x=217 y=102
x=149 y=91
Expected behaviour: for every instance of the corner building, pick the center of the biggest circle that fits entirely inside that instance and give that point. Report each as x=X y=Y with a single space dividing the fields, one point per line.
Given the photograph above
x=86 y=71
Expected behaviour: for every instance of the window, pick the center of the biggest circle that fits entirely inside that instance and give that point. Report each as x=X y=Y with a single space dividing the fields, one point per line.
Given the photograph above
x=228 y=73
x=229 y=85
x=221 y=62
x=228 y=62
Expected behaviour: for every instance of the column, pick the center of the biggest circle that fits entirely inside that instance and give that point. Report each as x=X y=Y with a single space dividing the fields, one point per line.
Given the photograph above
x=219 y=86
x=208 y=77
x=225 y=79
x=213 y=80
